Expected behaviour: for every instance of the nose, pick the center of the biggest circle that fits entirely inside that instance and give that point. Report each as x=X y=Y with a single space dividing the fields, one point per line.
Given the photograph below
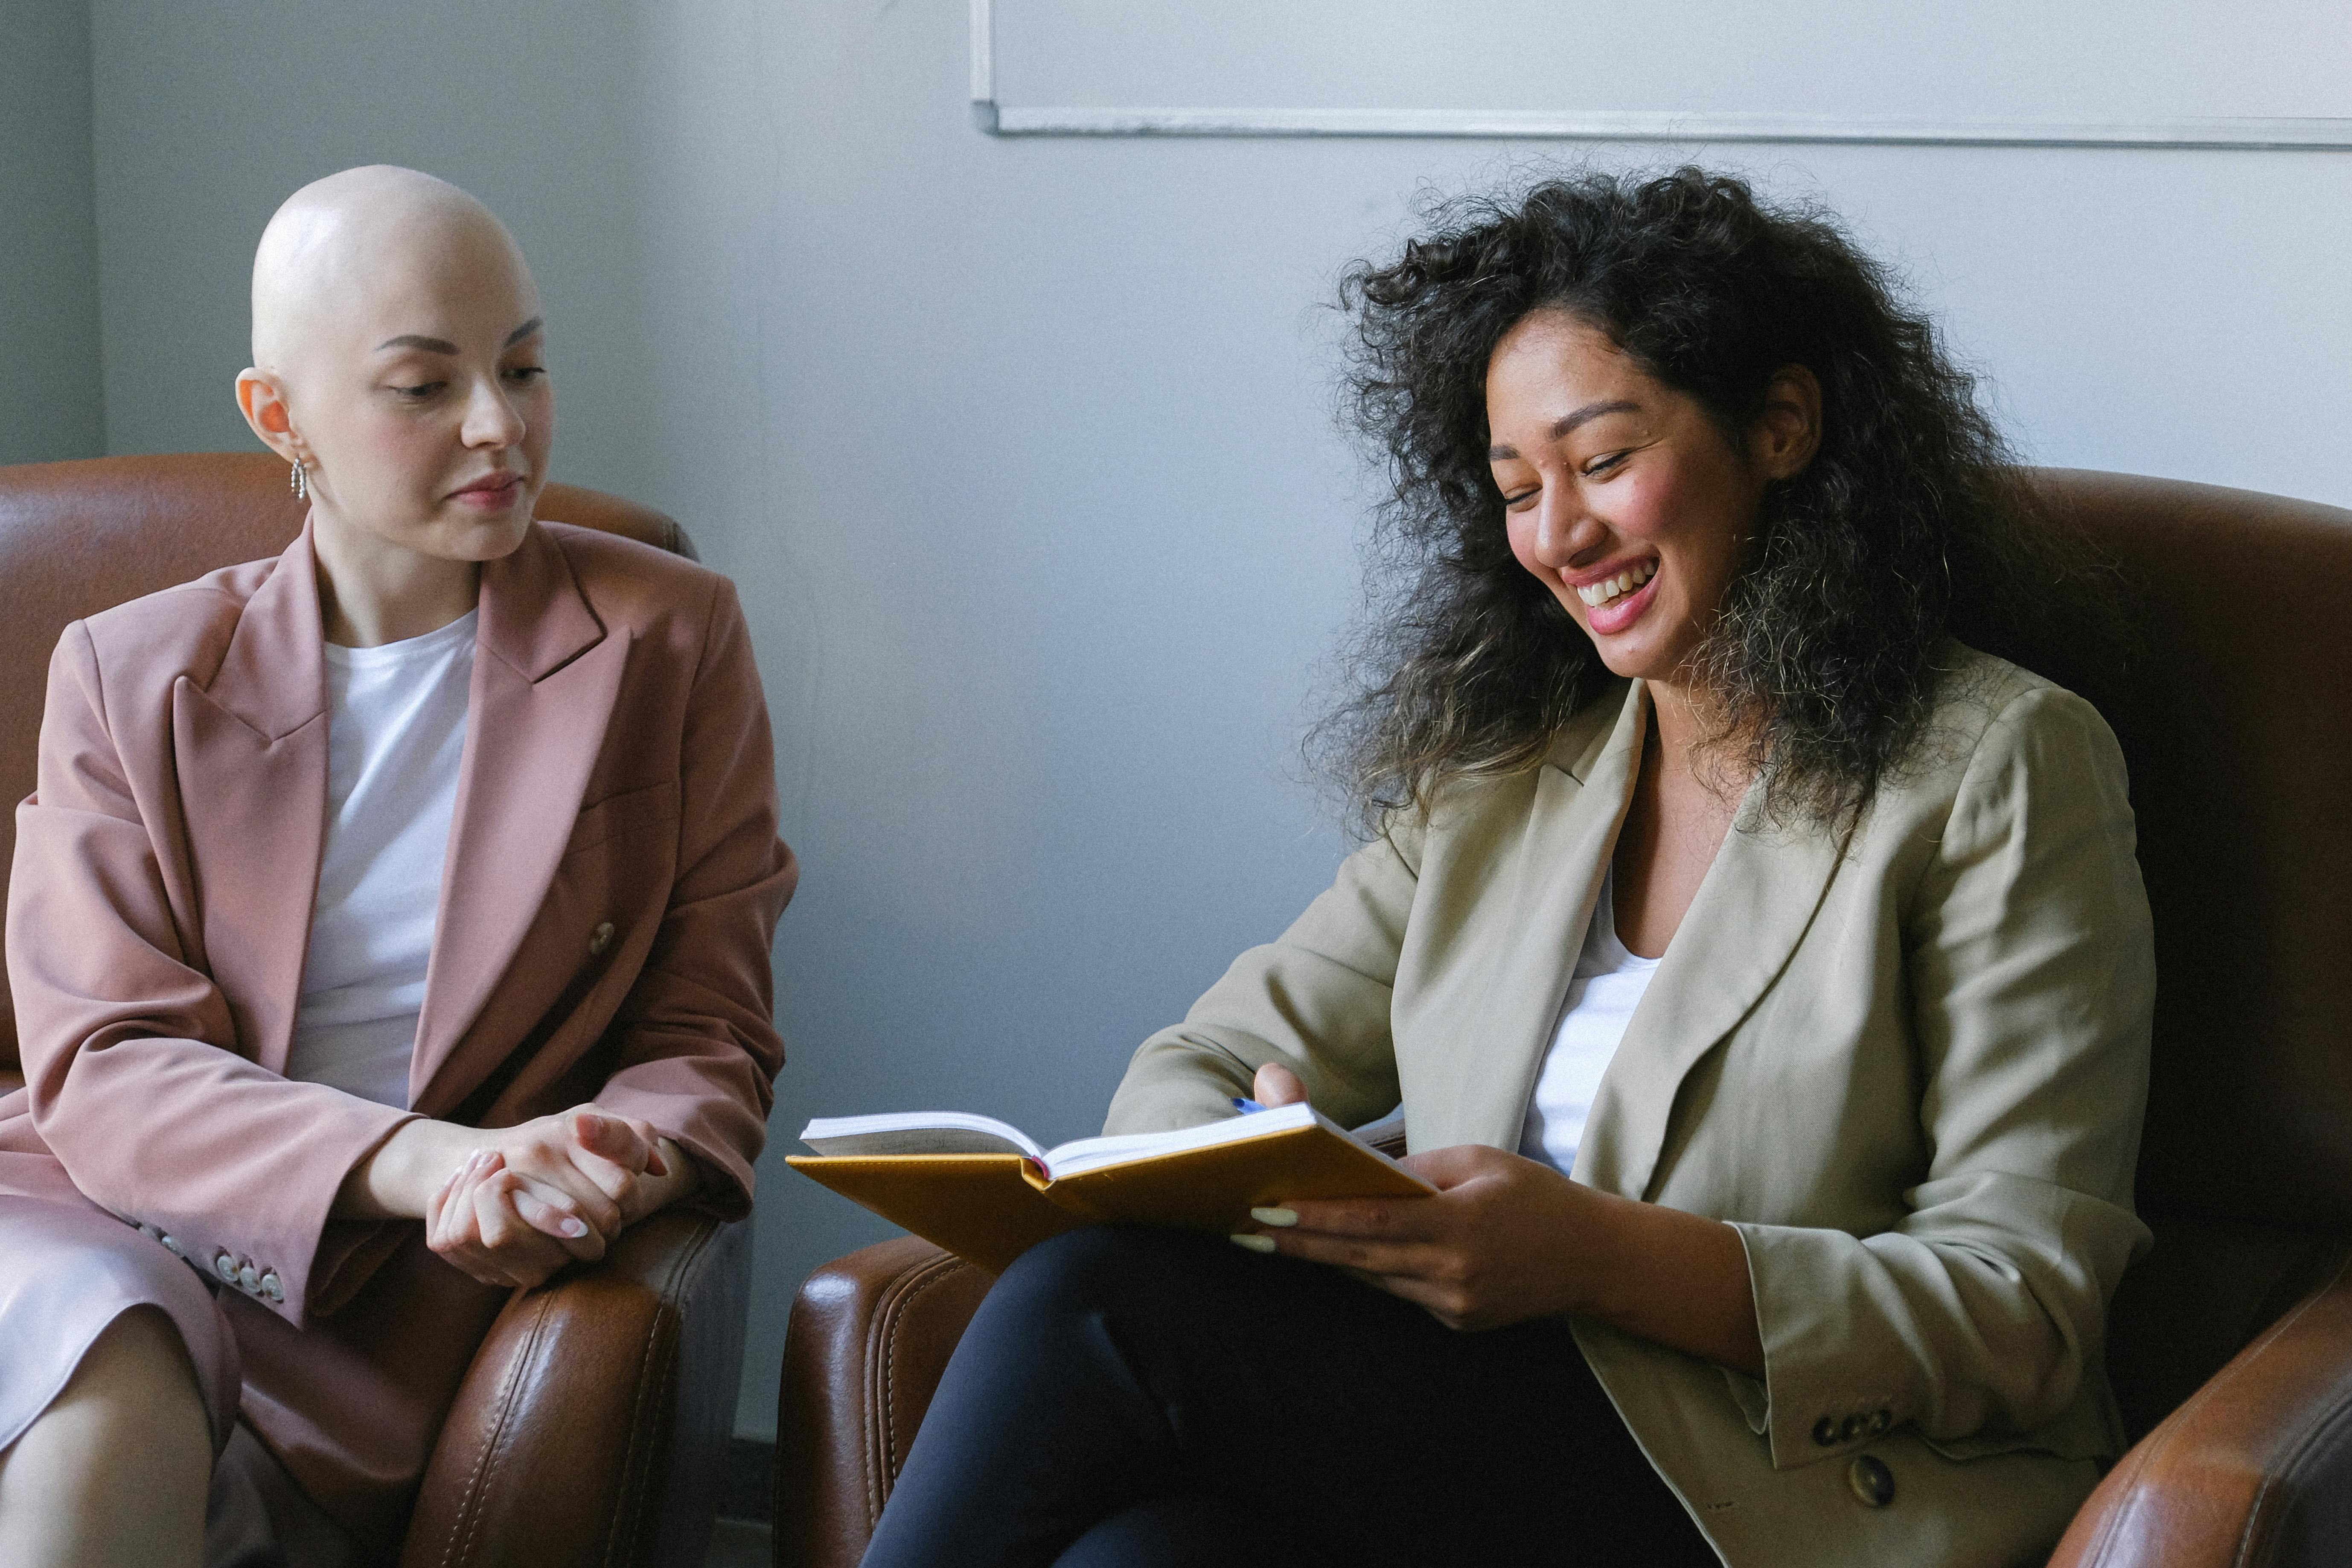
x=491 y=417
x=1564 y=528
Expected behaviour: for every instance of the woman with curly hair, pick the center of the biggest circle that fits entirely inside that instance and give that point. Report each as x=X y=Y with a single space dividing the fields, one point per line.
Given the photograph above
x=1758 y=954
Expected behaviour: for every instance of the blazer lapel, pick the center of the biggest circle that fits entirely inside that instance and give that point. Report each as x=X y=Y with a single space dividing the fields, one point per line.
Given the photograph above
x=250 y=754
x=546 y=675
x=1580 y=798
x=1753 y=908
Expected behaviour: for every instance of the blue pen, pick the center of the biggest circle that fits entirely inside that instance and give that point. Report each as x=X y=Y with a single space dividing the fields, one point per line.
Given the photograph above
x=1246 y=1105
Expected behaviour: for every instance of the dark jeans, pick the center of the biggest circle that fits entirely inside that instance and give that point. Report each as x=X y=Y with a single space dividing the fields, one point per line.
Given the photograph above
x=1148 y=1397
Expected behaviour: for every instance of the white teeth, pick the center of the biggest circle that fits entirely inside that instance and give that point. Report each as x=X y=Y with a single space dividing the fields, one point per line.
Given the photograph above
x=1607 y=588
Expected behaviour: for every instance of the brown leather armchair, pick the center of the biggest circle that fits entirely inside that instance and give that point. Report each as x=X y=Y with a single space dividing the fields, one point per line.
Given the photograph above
x=2231 y=1343
x=593 y=1423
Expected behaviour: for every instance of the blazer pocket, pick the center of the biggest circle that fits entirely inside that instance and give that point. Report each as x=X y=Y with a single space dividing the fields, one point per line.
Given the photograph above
x=630 y=811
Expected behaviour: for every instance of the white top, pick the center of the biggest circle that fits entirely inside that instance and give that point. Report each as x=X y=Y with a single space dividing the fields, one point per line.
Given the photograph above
x=1601 y=995
x=395 y=732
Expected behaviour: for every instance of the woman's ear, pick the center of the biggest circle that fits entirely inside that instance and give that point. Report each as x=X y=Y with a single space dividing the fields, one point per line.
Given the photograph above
x=1788 y=432
x=261 y=399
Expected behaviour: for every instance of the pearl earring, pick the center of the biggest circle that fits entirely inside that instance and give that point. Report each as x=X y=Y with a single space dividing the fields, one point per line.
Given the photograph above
x=299 y=481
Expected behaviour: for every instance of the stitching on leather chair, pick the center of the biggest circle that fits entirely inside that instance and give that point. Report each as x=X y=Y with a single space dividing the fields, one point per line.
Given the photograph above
x=2261 y=1515
x=637 y=1458
x=2317 y=1439
x=873 y=1454
x=629 y=1512
x=881 y=1455
x=469 y=1514
x=2277 y=1519
x=943 y=1269
x=880 y=1335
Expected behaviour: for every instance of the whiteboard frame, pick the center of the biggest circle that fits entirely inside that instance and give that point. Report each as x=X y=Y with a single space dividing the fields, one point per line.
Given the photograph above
x=2234 y=133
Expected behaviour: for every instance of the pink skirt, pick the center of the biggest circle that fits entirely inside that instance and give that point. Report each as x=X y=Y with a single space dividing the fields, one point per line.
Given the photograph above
x=73 y=1270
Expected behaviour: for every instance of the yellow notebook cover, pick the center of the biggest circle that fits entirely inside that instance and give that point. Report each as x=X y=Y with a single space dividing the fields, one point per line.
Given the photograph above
x=991 y=1207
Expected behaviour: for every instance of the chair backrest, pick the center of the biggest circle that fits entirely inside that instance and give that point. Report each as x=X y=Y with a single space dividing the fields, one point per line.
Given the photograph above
x=2237 y=724
x=78 y=538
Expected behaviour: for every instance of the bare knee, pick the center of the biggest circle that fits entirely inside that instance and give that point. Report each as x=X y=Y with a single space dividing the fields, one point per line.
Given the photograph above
x=120 y=1463
x=139 y=1363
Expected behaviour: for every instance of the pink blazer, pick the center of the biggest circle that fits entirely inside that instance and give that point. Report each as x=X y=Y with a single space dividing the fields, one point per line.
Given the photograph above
x=612 y=887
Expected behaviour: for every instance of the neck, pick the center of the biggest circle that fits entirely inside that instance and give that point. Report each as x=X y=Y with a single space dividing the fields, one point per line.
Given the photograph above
x=372 y=590
x=1685 y=727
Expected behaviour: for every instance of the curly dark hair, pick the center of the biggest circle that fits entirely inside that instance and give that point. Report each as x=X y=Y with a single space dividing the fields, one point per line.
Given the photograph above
x=1910 y=524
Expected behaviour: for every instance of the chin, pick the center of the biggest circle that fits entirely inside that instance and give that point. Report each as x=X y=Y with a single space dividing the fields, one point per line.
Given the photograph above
x=489 y=544
x=468 y=535
x=1635 y=663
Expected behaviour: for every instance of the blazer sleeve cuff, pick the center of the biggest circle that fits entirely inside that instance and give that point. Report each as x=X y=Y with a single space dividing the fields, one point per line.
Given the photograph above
x=1832 y=1381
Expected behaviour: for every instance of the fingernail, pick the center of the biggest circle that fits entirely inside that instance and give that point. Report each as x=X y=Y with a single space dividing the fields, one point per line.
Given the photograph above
x=1284 y=1217
x=573 y=1228
x=1253 y=1243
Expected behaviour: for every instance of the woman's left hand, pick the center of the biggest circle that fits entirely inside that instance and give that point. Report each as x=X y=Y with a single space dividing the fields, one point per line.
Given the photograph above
x=1497 y=1244
x=1507 y=1238
x=487 y=1221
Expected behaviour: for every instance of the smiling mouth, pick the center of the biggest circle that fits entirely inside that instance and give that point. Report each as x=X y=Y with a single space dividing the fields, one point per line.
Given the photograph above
x=1608 y=590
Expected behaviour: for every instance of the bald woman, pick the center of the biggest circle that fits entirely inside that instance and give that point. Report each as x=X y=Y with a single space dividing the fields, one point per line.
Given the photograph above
x=390 y=928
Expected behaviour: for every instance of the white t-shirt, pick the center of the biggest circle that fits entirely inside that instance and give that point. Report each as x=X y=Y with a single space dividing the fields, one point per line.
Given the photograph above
x=395 y=733
x=1601 y=995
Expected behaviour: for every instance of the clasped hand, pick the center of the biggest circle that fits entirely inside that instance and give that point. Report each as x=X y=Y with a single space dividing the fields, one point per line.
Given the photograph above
x=531 y=1199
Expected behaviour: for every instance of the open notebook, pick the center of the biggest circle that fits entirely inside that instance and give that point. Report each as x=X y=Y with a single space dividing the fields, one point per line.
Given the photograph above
x=987 y=1192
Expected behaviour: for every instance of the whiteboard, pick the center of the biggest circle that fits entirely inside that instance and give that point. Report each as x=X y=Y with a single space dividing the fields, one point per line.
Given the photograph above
x=2256 y=73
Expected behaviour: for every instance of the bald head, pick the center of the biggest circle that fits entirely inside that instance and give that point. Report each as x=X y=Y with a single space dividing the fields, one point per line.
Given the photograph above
x=398 y=362
x=368 y=240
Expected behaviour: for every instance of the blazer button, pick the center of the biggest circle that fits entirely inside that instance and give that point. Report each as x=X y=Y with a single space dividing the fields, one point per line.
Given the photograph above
x=271 y=1288
x=248 y=1280
x=224 y=1266
x=1872 y=1481
x=1854 y=1426
x=599 y=939
x=1880 y=1421
x=172 y=1246
x=1825 y=1432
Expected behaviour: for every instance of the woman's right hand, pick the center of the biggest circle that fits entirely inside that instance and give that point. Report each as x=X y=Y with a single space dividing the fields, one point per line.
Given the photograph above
x=582 y=1172
x=487 y=1222
x=584 y=1162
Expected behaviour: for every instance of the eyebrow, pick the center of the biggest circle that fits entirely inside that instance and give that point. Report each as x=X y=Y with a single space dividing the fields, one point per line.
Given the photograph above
x=1567 y=422
x=443 y=346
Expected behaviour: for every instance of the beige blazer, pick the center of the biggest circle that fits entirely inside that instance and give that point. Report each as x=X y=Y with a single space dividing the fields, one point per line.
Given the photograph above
x=612 y=880
x=1908 y=1064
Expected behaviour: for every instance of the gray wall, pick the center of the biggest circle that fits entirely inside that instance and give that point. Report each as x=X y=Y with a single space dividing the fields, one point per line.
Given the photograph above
x=1021 y=451
x=208 y=116
x=49 y=406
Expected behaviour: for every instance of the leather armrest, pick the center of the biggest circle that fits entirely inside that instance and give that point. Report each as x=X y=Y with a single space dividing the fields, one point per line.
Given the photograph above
x=2254 y=1471
x=869 y=1336
x=593 y=1423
